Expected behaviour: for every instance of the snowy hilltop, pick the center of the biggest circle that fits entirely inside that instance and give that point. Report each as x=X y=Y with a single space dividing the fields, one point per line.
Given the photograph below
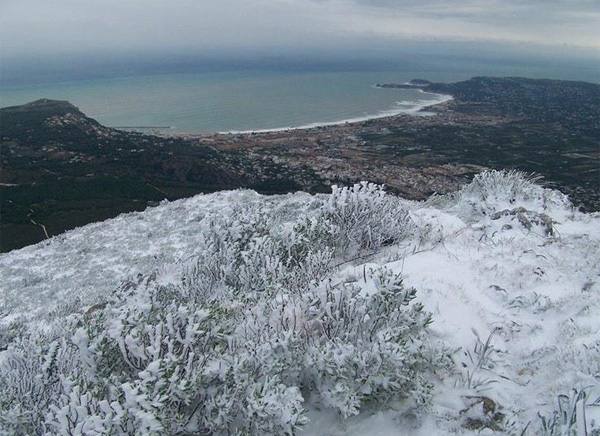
x=351 y=313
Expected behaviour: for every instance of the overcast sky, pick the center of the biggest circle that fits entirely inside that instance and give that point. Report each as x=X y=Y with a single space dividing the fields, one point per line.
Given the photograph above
x=33 y=27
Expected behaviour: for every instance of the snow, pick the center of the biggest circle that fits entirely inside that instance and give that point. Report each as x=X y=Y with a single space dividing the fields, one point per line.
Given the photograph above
x=479 y=274
x=94 y=259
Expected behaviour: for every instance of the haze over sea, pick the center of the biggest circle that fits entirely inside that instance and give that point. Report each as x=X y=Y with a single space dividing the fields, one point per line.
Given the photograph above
x=203 y=102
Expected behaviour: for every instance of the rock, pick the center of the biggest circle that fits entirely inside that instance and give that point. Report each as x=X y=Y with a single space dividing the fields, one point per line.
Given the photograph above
x=527 y=219
x=482 y=413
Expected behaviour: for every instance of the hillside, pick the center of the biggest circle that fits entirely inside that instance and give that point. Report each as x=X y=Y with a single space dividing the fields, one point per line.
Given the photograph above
x=62 y=169
x=347 y=313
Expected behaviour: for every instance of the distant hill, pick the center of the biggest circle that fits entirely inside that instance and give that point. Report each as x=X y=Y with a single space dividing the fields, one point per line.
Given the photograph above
x=540 y=100
x=47 y=120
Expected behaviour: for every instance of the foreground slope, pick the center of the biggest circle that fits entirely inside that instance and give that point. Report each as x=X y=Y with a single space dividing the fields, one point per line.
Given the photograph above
x=302 y=312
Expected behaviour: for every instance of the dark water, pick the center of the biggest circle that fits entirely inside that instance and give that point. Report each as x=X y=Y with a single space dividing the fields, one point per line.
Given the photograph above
x=252 y=100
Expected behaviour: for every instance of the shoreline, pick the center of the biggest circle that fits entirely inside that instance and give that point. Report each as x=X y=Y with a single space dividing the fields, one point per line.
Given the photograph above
x=416 y=110
x=441 y=98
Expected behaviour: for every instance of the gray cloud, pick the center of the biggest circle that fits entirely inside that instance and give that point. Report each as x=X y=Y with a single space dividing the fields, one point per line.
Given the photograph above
x=33 y=27
x=553 y=22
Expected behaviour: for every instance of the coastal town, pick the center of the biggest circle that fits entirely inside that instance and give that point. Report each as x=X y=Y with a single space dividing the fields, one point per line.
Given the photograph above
x=489 y=123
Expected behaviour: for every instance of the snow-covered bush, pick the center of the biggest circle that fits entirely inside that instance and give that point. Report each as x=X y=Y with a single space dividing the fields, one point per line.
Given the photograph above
x=364 y=217
x=11 y=331
x=370 y=346
x=156 y=361
x=505 y=185
x=237 y=338
x=492 y=191
x=30 y=376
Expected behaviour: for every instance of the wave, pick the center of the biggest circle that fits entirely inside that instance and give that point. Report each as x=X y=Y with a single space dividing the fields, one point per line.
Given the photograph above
x=415 y=108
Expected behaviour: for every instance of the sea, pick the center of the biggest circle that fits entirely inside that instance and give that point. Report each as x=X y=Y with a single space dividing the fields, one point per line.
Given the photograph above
x=238 y=101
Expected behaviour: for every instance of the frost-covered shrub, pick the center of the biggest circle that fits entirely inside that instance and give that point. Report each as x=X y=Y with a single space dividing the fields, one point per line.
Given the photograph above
x=495 y=190
x=238 y=337
x=507 y=185
x=10 y=331
x=357 y=218
x=369 y=346
x=30 y=376
x=157 y=361
x=353 y=220
x=153 y=362
x=365 y=217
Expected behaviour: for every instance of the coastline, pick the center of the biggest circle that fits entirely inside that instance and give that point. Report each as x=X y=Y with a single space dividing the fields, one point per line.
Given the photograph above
x=414 y=156
x=416 y=111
